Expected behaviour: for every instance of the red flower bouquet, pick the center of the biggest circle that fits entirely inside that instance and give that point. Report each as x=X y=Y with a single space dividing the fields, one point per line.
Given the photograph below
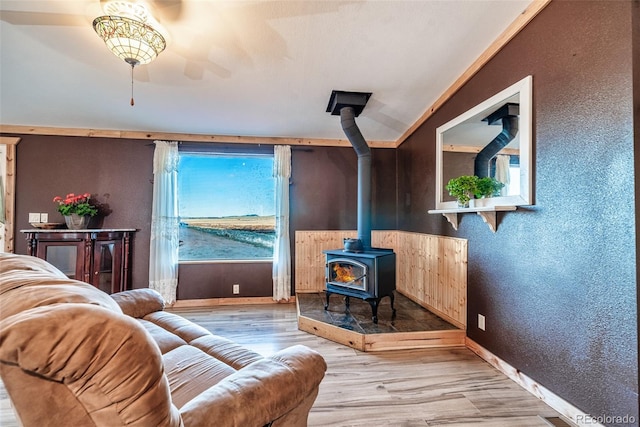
x=72 y=204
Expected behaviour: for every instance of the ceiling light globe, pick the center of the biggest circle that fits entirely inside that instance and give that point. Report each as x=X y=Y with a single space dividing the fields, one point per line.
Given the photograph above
x=130 y=40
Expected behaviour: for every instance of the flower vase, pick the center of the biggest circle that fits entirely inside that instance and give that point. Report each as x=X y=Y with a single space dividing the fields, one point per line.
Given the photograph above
x=77 y=222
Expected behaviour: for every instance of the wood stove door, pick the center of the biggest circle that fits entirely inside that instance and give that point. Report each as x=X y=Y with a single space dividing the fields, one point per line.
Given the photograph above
x=348 y=273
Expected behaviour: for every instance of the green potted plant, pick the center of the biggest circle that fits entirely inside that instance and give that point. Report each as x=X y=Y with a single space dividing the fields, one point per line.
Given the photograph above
x=76 y=209
x=487 y=187
x=462 y=188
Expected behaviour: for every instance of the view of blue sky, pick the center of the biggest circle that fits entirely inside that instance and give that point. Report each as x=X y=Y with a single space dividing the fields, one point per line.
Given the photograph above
x=217 y=185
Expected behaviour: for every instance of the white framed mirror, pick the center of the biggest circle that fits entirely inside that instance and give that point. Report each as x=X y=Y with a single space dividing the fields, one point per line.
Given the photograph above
x=492 y=139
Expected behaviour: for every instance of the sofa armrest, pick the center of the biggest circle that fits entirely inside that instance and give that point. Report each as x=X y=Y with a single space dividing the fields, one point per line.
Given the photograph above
x=263 y=391
x=139 y=302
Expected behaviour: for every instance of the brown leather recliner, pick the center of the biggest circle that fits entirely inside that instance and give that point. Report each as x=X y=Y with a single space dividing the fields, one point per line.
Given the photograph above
x=72 y=355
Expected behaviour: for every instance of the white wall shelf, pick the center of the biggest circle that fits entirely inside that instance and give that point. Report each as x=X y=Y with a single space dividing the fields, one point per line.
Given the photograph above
x=488 y=214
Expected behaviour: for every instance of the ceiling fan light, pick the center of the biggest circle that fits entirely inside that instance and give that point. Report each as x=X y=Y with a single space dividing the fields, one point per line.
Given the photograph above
x=130 y=40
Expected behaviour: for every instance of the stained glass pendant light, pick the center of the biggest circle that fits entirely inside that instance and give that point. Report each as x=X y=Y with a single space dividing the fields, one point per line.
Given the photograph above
x=128 y=35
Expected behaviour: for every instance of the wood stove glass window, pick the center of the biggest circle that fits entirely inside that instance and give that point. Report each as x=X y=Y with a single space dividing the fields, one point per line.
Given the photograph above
x=226 y=204
x=347 y=273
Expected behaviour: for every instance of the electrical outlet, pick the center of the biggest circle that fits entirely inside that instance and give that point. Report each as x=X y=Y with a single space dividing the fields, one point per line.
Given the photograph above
x=481 y=324
x=34 y=217
x=236 y=289
x=44 y=217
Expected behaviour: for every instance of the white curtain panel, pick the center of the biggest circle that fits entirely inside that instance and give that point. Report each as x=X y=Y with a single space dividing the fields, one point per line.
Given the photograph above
x=282 y=247
x=502 y=172
x=163 y=263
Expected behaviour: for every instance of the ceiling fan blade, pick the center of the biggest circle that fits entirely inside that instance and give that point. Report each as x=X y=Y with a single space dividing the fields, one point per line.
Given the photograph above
x=160 y=10
x=42 y=18
x=166 y=10
x=217 y=70
x=193 y=70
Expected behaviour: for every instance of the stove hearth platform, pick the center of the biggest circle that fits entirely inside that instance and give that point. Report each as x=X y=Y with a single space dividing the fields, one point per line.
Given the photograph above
x=412 y=327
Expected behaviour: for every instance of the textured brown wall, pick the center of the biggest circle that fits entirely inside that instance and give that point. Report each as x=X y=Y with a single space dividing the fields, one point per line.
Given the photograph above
x=324 y=189
x=118 y=171
x=557 y=282
x=635 y=24
x=323 y=196
x=216 y=280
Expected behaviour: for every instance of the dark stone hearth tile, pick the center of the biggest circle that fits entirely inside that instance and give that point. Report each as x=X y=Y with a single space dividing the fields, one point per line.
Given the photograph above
x=347 y=322
x=308 y=304
x=321 y=315
x=380 y=328
x=410 y=317
x=341 y=317
x=350 y=326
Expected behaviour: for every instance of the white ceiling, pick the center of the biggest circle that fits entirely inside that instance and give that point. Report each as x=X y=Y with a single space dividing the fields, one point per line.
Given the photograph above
x=249 y=68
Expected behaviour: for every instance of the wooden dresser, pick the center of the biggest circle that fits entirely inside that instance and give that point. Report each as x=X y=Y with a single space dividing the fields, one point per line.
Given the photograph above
x=99 y=257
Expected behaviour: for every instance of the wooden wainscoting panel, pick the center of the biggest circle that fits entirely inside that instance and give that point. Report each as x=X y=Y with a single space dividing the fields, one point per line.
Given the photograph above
x=432 y=271
x=309 y=264
x=385 y=239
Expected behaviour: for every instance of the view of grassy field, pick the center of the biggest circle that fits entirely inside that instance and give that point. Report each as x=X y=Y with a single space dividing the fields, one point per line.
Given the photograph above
x=244 y=222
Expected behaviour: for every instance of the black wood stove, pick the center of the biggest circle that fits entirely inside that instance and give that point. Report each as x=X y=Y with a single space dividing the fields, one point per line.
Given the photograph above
x=369 y=275
x=358 y=270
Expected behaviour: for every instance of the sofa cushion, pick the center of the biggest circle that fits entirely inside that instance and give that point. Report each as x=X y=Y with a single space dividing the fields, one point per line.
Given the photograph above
x=28 y=297
x=229 y=352
x=177 y=325
x=33 y=265
x=139 y=302
x=261 y=392
x=27 y=282
x=191 y=371
x=165 y=340
x=171 y=330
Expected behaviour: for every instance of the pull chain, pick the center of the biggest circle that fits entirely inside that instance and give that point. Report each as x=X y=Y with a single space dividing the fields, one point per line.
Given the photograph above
x=132 y=65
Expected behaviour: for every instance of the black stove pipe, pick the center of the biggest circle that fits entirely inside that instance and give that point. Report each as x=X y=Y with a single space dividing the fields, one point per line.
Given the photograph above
x=351 y=130
x=508 y=114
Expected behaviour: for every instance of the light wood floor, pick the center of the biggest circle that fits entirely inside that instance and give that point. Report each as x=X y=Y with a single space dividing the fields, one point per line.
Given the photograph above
x=405 y=388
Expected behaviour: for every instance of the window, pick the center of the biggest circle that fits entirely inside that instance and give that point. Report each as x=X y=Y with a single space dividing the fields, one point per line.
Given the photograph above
x=226 y=205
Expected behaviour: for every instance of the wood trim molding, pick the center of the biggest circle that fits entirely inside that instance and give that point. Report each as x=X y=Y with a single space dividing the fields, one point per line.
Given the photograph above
x=9 y=140
x=512 y=30
x=449 y=148
x=547 y=396
x=9 y=191
x=214 y=302
x=185 y=137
